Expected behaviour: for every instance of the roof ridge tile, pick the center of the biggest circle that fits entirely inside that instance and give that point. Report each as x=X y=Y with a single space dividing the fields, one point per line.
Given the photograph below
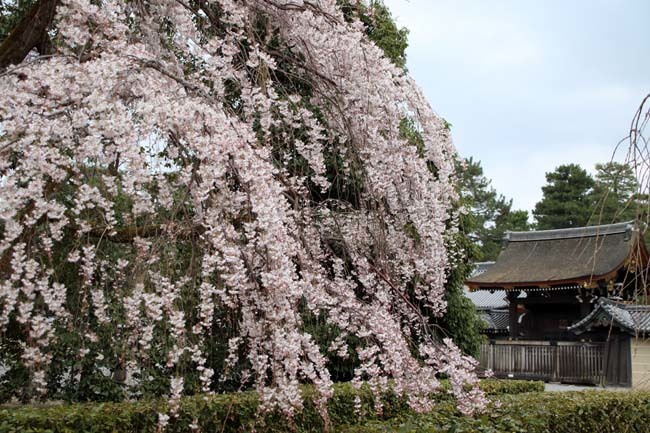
x=568 y=233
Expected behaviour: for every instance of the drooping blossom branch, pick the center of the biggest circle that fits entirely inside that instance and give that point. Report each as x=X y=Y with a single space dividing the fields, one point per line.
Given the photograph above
x=197 y=163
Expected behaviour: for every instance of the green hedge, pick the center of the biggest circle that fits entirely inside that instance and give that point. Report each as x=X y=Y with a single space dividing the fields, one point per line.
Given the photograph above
x=219 y=413
x=498 y=387
x=551 y=412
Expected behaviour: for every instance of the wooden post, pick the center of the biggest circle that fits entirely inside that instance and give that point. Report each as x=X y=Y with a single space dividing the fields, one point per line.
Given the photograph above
x=491 y=355
x=604 y=370
x=556 y=361
x=513 y=323
x=584 y=305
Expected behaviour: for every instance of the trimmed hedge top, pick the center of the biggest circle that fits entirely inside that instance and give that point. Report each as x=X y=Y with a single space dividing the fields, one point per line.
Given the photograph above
x=551 y=412
x=219 y=413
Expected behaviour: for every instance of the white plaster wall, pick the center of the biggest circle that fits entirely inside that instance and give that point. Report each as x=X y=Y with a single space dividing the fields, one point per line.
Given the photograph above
x=640 y=363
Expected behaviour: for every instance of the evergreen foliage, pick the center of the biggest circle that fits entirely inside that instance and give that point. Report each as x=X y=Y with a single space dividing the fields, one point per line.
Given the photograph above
x=461 y=321
x=236 y=412
x=615 y=193
x=567 y=200
x=521 y=408
x=573 y=198
x=489 y=214
x=380 y=28
x=551 y=412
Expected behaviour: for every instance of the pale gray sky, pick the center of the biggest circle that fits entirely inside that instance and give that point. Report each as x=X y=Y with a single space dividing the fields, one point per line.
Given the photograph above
x=530 y=84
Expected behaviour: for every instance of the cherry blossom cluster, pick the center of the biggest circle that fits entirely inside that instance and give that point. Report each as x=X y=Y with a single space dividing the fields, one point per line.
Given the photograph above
x=185 y=158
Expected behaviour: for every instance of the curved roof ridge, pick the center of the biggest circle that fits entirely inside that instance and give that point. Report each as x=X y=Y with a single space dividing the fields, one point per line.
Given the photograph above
x=579 y=326
x=573 y=232
x=616 y=313
x=581 y=255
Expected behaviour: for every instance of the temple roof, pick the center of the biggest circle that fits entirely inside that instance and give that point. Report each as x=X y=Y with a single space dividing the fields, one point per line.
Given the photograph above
x=496 y=320
x=492 y=305
x=483 y=300
x=486 y=299
x=634 y=319
x=561 y=257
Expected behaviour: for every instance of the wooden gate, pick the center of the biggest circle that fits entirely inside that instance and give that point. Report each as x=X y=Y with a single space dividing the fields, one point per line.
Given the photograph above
x=570 y=362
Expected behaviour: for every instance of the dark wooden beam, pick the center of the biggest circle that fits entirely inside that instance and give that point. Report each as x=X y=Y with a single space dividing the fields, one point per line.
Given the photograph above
x=513 y=324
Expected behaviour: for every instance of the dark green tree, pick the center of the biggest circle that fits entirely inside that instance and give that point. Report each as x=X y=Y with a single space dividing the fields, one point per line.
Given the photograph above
x=383 y=31
x=567 y=200
x=481 y=226
x=25 y=25
x=380 y=28
x=614 y=194
x=461 y=322
x=490 y=214
x=505 y=219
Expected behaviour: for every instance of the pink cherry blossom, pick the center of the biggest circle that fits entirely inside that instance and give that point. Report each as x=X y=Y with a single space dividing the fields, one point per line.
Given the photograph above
x=162 y=126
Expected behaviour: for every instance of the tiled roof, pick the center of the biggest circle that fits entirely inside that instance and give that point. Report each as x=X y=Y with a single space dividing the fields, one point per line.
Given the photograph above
x=496 y=320
x=570 y=233
x=631 y=318
x=487 y=299
x=481 y=267
x=560 y=257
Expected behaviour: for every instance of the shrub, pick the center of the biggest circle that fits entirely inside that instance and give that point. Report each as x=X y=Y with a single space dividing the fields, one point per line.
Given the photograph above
x=571 y=412
x=496 y=386
x=234 y=412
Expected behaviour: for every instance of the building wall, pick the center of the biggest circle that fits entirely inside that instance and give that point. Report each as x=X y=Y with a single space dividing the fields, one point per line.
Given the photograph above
x=547 y=320
x=640 y=348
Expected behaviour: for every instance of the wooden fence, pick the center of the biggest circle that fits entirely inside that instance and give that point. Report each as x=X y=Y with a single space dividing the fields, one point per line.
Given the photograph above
x=570 y=362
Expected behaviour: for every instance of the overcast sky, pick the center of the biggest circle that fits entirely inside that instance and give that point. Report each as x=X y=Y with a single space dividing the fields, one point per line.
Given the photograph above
x=530 y=84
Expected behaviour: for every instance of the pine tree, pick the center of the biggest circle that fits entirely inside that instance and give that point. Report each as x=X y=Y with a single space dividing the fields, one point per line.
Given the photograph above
x=567 y=200
x=489 y=214
x=614 y=194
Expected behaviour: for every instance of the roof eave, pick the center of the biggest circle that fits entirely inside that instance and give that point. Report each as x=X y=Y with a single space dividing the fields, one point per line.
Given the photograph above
x=589 y=281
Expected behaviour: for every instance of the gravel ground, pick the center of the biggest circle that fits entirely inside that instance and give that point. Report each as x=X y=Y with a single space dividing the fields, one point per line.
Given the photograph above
x=560 y=387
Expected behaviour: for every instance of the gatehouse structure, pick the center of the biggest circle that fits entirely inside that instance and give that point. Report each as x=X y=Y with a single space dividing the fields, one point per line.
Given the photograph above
x=570 y=300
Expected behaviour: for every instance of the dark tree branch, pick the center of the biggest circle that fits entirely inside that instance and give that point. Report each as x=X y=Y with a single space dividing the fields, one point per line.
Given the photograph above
x=128 y=234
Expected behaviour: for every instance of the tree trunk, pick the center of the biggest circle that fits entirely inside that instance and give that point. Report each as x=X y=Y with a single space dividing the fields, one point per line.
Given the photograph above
x=31 y=32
